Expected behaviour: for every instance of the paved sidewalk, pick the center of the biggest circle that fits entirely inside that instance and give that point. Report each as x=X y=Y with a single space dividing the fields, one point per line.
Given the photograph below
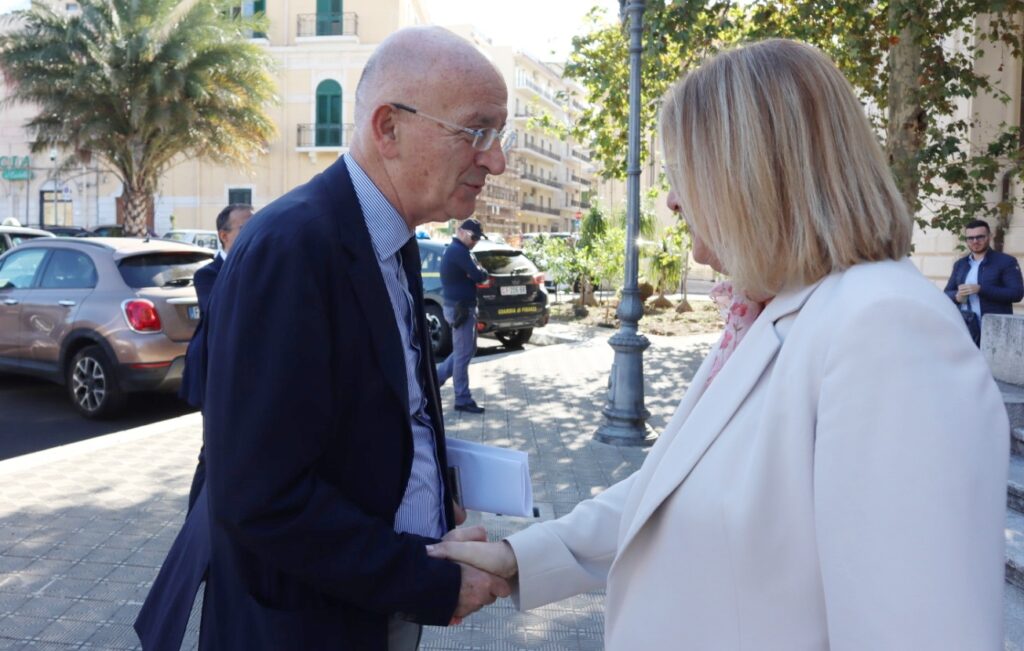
x=84 y=528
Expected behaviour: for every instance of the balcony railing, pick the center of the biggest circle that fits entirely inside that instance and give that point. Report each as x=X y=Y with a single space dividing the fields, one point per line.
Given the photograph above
x=540 y=179
x=325 y=135
x=540 y=150
x=580 y=155
x=346 y=24
x=540 y=90
x=499 y=193
x=585 y=205
x=535 y=208
x=580 y=180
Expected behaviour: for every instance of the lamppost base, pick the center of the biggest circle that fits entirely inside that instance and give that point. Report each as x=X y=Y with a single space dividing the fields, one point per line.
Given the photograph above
x=632 y=434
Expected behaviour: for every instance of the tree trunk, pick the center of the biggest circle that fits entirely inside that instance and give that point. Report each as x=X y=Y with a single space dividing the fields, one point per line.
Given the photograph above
x=136 y=203
x=907 y=119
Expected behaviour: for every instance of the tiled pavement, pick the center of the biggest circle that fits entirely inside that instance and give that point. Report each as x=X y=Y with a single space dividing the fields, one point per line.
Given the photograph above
x=84 y=528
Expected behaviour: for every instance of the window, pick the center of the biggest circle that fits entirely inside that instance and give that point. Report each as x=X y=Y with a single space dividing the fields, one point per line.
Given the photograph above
x=328 y=114
x=329 y=18
x=161 y=269
x=240 y=195
x=69 y=270
x=19 y=269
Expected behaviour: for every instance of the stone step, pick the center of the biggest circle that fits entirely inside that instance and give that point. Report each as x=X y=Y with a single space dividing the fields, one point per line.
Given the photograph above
x=1015 y=548
x=1013 y=618
x=1013 y=399
x=1015 y=486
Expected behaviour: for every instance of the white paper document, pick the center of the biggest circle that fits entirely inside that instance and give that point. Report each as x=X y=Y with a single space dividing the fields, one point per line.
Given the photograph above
x=494 y=480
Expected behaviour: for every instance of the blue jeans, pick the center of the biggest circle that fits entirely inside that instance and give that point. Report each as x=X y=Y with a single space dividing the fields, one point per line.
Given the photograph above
x=456 y=366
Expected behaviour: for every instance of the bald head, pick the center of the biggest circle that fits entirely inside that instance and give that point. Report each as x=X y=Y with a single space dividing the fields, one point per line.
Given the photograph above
x=418 y=65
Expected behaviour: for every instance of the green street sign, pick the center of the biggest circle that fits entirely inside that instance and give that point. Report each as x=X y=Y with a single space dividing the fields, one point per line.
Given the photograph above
x=17 y=174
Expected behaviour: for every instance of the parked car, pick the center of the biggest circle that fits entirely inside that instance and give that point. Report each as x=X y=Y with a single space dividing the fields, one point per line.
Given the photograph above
x=103 y=316
x=106 y=230
x=12 y=236
x=511 y=303
x=205 y=239
x=67 y=231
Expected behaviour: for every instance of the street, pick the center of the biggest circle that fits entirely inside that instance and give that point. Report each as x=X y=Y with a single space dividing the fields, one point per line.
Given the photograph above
x=36 y=415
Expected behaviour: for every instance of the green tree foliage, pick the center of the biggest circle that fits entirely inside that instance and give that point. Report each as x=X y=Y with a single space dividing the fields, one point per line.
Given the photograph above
x=141 y=84
x=910 y=61
x=666 y=264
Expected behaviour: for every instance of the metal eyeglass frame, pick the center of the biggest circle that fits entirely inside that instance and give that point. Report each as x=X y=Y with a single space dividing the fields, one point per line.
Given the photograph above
x=483 y=139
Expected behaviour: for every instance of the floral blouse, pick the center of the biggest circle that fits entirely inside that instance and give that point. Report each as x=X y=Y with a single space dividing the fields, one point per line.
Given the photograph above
x=739 y=313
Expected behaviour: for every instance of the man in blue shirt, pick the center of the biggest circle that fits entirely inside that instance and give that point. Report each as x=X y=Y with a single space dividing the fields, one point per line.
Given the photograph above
x=460 y=273
x=985 y=281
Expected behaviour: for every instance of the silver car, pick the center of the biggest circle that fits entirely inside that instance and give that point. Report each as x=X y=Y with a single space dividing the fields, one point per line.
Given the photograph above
x=103 y=316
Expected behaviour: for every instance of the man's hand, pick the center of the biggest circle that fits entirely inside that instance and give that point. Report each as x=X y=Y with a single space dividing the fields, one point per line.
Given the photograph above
x=965 y=290
x=478 y=589
x=466 y=534
x=460 y=515
x=496 y=558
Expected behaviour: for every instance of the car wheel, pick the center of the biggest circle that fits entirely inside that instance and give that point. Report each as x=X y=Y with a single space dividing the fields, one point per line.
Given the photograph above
x=92 y=385
x=440 y=331
x=514 y=339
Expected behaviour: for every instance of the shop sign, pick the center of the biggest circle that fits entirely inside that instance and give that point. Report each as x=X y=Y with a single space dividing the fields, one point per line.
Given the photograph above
x=16 y=168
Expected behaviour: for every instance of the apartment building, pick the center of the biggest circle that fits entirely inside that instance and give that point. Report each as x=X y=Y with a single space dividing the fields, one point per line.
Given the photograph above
x=320 y=48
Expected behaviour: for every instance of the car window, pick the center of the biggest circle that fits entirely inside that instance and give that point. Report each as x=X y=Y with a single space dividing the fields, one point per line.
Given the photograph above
x=18 y=238
x=177 y=237
x=20 y=267
x=209 y=241
x=69 y=270
x=505 y=261
x=430 y=260
x=161 y=269
x=3 y=243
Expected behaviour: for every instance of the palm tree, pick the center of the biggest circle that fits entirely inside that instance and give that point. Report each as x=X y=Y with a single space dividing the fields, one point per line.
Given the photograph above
x=141 y=84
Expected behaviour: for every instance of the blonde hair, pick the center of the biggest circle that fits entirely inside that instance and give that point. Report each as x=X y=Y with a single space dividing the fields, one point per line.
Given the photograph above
x=774 y=163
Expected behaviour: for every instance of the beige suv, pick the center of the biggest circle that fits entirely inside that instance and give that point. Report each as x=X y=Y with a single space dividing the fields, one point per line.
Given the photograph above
x=103 y=316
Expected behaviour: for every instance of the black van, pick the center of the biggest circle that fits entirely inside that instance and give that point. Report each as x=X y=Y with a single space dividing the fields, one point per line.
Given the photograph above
x=511 y=304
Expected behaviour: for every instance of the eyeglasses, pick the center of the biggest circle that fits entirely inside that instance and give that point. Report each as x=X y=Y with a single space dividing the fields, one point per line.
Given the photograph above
x=976 y=238
x=482 y=139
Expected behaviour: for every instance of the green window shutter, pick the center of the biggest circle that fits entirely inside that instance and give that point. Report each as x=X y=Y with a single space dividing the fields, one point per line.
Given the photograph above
x=240 y=195
x=328 y=114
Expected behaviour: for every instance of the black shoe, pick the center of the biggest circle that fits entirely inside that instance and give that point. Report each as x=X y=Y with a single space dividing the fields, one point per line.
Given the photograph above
x=471 y=408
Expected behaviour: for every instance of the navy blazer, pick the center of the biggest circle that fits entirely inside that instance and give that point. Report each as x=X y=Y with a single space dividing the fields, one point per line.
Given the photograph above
x=1000 y=279
x=308 y=438
x=193 y=379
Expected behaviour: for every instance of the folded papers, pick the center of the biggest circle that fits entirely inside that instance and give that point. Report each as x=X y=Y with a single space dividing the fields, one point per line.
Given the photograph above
x=491 y=479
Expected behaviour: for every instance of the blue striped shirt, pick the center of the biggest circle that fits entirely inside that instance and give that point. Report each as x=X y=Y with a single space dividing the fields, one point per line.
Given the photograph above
x=421 y=511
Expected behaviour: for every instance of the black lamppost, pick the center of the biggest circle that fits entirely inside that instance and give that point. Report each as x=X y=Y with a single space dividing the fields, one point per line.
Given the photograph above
x=625 y=414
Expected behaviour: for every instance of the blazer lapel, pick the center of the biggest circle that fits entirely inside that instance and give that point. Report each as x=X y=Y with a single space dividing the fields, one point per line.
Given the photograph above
x=367 y=281
x=683 y=444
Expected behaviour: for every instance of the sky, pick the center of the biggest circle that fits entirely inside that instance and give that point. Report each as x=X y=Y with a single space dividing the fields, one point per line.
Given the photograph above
x=544 y=28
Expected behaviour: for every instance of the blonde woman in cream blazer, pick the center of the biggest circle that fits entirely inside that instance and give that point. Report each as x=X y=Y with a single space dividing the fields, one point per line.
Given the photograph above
x=839 y=483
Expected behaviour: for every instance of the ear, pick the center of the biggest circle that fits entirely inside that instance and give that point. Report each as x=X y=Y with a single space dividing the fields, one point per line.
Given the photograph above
x=384 y=130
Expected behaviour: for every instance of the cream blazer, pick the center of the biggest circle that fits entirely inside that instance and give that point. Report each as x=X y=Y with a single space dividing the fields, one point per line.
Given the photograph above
x=840 y=485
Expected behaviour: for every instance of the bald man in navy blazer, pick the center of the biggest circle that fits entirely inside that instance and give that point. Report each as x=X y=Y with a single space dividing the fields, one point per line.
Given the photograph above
x=326 y=465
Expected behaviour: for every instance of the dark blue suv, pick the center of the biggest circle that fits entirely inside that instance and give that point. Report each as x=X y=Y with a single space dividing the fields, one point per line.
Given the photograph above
x=511 y=303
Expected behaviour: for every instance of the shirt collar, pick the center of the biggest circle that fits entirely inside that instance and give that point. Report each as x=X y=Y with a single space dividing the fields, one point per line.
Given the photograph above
x=388 y=231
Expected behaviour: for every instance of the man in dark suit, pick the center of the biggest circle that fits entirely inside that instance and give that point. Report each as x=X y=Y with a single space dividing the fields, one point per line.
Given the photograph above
x=984 y=281
x=326 y=465
x=164 y=615
x=230 y=222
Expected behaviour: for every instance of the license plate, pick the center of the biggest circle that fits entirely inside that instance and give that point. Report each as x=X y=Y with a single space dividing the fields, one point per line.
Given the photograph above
x=193 y=312
x=513 y=290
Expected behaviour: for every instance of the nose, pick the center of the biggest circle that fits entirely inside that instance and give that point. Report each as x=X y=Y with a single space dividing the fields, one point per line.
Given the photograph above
x=493 y=160
x=672 y=201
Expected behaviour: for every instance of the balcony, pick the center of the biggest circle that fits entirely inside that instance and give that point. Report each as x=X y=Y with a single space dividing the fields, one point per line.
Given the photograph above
x=542 y=92
x=346 y=24
x=531 y=207
x=544 y=152
x=324 y=136
x=584 y=205
x=499 y=193
x=579 y=155
x=579 y=180
x=551 y=183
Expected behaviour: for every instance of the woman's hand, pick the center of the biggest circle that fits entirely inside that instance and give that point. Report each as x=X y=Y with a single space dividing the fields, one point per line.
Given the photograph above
x=494 y=557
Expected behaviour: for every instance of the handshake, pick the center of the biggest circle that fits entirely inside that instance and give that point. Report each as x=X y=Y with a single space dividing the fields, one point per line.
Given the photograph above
x=487 y=568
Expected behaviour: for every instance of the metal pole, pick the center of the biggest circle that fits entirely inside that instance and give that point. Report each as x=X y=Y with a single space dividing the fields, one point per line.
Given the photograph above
x=625 y=414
